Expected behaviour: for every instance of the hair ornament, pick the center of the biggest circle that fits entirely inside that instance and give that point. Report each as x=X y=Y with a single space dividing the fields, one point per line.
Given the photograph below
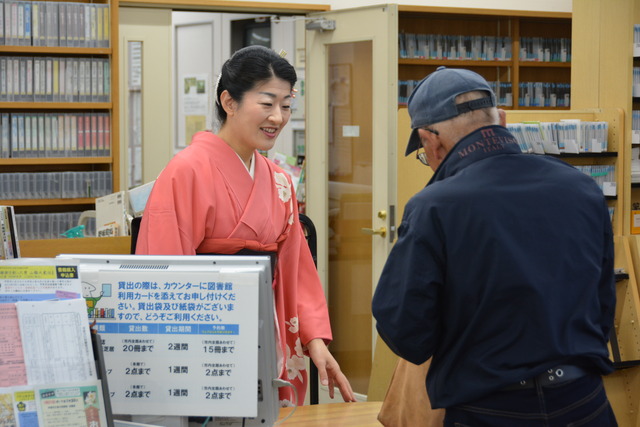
x=215 y=90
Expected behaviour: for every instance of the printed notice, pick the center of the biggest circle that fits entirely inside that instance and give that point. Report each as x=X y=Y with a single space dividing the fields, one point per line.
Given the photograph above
x=56 y=341
x=12 y=369
x=35 y=279
x=178 y=343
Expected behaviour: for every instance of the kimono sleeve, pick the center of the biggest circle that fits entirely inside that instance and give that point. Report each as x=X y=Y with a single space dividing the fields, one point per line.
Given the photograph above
x=304 y=282
x=167 y=226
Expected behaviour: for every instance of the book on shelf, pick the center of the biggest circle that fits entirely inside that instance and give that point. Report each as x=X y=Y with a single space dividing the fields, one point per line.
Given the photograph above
x=566 y=136
x=112 y=215
x=635 y=165
x=455 y=47
x=45 y=23
x=54 y=79
x=10 y=248
x=35 y=135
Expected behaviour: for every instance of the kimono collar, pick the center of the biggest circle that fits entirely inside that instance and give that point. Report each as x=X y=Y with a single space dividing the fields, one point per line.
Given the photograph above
x=485 y=142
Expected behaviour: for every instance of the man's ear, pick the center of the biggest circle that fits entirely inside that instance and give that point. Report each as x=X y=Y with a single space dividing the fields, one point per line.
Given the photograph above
x=228 y=103
x=503 y=117
x=436 y=147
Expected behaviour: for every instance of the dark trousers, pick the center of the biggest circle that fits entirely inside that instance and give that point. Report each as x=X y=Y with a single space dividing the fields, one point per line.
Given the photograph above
x=581 y=403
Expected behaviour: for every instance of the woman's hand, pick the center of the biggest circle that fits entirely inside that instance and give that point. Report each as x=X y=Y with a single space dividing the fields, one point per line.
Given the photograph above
x=329 y=370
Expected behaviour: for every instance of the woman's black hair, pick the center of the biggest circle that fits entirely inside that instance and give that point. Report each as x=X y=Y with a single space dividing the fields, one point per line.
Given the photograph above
x=247 y=68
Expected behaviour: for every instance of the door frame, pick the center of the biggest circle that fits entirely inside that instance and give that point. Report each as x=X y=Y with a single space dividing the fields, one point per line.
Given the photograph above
x=354 y=25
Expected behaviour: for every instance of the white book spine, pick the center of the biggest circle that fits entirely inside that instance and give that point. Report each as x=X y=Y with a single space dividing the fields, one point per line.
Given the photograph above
x=81 y=76
x=15 y=139
x=27 y=136
x=55 y=79
x=53 y=151
x=48 y=134
x=73 y=135
x=94 y=80
x=107 y=80
x=62 y=79
x=14 y=23
x=42 y=136
x=35 y=23
x=87 y=25
x=20 y=23
x=100 y=79
x=22 y=77
x=29 y=92
x=37 y=93
x=2 y=39
x=21 y=136
x=27 y=24
x=34 y=136
x=3 y=77
x=87 y=80
x=67 y=135
x=49 y=79
x=75 y=80
x=5 y=135
x=94 y=24
x=62 y=24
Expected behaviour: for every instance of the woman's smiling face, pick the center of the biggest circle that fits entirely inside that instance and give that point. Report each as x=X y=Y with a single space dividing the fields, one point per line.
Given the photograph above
x=256 y=121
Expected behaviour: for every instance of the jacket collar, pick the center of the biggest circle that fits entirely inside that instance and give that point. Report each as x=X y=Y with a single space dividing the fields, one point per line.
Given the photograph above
x=484 y=142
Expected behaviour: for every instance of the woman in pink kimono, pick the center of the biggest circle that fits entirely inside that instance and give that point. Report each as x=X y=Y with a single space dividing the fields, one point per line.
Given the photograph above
x=219 y=195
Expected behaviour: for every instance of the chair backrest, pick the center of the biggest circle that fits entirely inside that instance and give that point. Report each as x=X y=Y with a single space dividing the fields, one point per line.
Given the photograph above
x=312 y=240
x=135 y=227
x=310 y=234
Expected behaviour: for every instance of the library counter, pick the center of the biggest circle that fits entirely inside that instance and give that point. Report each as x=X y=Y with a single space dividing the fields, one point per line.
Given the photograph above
x=362 y=414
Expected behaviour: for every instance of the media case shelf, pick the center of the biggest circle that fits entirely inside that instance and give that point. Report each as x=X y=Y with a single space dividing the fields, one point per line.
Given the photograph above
x=487 y=22
x=613 y=156
x=92 y=163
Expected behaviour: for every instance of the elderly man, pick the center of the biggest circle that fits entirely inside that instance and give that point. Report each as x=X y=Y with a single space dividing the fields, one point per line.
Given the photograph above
x=503 y=270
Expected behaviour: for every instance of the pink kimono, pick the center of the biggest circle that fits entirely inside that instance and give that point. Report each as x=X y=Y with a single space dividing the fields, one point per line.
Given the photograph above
x=205 y=201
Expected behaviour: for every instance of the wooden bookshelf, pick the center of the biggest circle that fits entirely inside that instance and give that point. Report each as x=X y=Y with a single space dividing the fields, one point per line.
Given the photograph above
x=87 y=245
x=487 y=22
x=110 y=163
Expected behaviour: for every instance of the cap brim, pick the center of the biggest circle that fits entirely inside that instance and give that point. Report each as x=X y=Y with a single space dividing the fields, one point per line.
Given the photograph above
x=414 y=142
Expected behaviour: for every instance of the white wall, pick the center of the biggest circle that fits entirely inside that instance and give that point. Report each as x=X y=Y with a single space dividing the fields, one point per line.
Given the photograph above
x=536 y=5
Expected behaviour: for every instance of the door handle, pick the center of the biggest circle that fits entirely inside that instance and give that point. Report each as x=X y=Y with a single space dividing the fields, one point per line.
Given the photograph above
x=382 y=231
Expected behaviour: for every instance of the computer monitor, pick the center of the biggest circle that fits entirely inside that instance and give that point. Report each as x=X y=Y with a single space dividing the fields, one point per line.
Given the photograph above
x=182 y=334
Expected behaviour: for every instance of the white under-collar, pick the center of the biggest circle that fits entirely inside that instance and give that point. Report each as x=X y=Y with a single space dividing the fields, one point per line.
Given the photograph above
x=251 y=169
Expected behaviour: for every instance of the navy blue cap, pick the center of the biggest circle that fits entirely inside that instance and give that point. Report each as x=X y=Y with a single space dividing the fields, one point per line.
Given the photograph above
x=434 y=99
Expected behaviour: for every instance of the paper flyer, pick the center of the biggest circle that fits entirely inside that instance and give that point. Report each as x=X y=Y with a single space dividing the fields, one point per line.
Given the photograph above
x=25 y=408
x=71 y=405
x=7 y=417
